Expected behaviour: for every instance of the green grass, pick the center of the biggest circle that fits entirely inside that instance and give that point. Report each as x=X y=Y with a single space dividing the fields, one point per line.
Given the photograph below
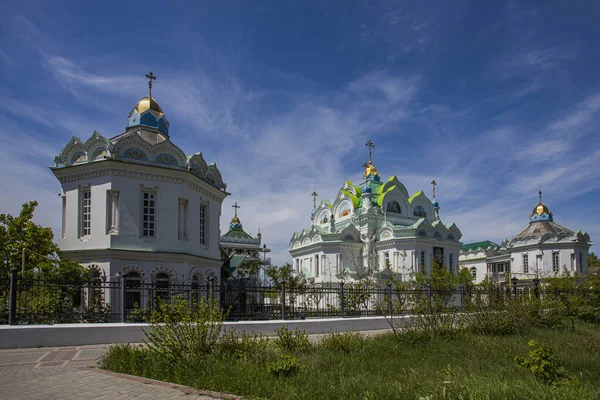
x=381 y=367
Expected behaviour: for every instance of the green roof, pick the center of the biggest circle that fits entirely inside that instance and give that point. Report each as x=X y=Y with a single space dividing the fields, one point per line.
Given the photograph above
x=478 y=245
x=415 y=195
x=237 y=233
x=236 y=260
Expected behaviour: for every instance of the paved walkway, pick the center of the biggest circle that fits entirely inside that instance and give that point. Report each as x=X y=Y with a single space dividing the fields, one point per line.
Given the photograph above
x=70 y=373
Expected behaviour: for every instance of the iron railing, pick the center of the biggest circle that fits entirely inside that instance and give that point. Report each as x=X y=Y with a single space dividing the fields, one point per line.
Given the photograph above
x=118 y=299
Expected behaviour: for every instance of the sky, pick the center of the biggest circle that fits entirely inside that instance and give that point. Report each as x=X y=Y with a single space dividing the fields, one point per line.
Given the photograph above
x=494 y=100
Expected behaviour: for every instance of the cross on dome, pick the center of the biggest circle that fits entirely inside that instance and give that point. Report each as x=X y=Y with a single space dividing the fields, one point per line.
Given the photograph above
x=371 y=146
x=236 y=207
x=314 y=195
x=151 y=77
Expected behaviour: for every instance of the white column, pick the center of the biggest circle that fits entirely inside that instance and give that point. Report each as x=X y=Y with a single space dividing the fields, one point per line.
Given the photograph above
x=64 y=216
x=182 y=219
x=114 y=212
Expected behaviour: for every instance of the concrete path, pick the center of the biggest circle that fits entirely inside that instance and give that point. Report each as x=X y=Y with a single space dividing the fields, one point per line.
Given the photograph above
x=70 y=373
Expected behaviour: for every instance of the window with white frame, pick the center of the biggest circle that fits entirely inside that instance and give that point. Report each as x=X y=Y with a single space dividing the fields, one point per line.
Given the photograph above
x=203 y=223
x=387 y=258
x=86 y=212
x=474 y=272
x=317 y=265
x=148 y=214
x=422 y=258
x=525 y=263
x=580 y=262
x=555 y=261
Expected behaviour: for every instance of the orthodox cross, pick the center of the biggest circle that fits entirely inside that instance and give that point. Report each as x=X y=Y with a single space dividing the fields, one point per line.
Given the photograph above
x=371 y=146
x=236 y=207
x=433 y=185
x=314 y=195
x=540 y=193
x=151 y=77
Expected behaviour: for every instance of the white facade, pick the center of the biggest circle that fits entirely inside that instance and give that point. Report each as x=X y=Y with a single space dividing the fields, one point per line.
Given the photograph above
x=367 y=226
x=136 y=204
x=543 y=249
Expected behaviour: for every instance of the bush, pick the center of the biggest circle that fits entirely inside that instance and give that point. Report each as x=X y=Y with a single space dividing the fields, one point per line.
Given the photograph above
x=342 y=342
x=242 y=345
x=286 y=365
x=289 y=341
x=179 y=331
x=544 y=366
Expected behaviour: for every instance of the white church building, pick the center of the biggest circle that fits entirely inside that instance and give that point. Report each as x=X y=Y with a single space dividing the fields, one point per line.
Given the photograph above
x=543 y=249
x=370 y=226
x=136 y=204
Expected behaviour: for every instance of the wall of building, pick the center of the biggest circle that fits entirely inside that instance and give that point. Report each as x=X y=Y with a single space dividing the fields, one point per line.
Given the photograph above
x=129 y=237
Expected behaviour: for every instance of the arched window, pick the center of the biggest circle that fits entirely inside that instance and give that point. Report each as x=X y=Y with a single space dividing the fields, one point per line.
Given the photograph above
x=474 y=272
x=134 y=294
x=437 y=235
x=95 y=290
x=419 y=211
x=393 y=207
x=162 y=285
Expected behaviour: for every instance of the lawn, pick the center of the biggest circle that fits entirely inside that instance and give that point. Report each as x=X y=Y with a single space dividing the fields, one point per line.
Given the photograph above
x=384 y=367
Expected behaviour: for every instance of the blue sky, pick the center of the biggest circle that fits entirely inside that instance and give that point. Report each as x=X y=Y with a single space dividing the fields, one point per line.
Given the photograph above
x=493 y=100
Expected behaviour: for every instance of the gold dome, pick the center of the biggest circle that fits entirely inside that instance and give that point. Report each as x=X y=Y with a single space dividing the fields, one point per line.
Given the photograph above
x=148 y=103
x=370 y=169
x=540 y=209
x=235 y=220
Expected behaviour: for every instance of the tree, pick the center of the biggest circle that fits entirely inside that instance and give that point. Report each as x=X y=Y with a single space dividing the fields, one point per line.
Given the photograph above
x=593 y=260
x=43 y=258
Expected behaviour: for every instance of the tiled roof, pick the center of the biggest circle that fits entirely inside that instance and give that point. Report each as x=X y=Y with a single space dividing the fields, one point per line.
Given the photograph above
x=478 y=245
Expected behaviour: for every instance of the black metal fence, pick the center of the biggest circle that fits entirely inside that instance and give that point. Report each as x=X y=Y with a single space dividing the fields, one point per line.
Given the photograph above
x=118 y=299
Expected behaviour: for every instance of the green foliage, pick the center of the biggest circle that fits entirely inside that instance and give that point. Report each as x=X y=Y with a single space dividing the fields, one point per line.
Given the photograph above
x=544 y=366
x=178 y=331
x=345 y=342
x=242 y=345
x=288 y=341
x=286 y=365
x=44 y=262
x=482 y=367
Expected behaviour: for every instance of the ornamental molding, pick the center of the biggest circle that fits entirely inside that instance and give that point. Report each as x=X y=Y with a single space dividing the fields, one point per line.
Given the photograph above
x=141 y=175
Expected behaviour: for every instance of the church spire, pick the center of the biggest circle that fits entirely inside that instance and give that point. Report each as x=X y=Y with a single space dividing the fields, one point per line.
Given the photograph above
x=434 y=202
x=235 y=221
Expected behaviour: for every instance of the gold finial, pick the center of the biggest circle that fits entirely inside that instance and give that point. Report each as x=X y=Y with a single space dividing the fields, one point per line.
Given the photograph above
x=236 y=208
x=314 y=195
x=371 y=146
x=433 y=186
x=151 y=77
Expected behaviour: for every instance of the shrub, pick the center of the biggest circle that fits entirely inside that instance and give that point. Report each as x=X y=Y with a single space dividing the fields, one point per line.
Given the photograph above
x=242 y=345
x=179 y=331
x=287 y=340
x=544 y=365
x=286 y=365
x=342 y=342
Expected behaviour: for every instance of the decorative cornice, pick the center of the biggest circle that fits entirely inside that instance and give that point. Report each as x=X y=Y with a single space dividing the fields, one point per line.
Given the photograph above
x=75 y=176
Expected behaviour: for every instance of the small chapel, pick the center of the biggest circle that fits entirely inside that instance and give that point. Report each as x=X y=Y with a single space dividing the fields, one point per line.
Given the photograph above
x=136 y=205
x=542 y=249
x=372 y=226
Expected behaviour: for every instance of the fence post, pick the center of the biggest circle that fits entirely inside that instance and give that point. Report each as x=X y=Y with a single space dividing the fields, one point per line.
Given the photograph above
x=342 y=299
x=389 y=292
x=12 y=311
x=123 y=299
x=283 y=300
